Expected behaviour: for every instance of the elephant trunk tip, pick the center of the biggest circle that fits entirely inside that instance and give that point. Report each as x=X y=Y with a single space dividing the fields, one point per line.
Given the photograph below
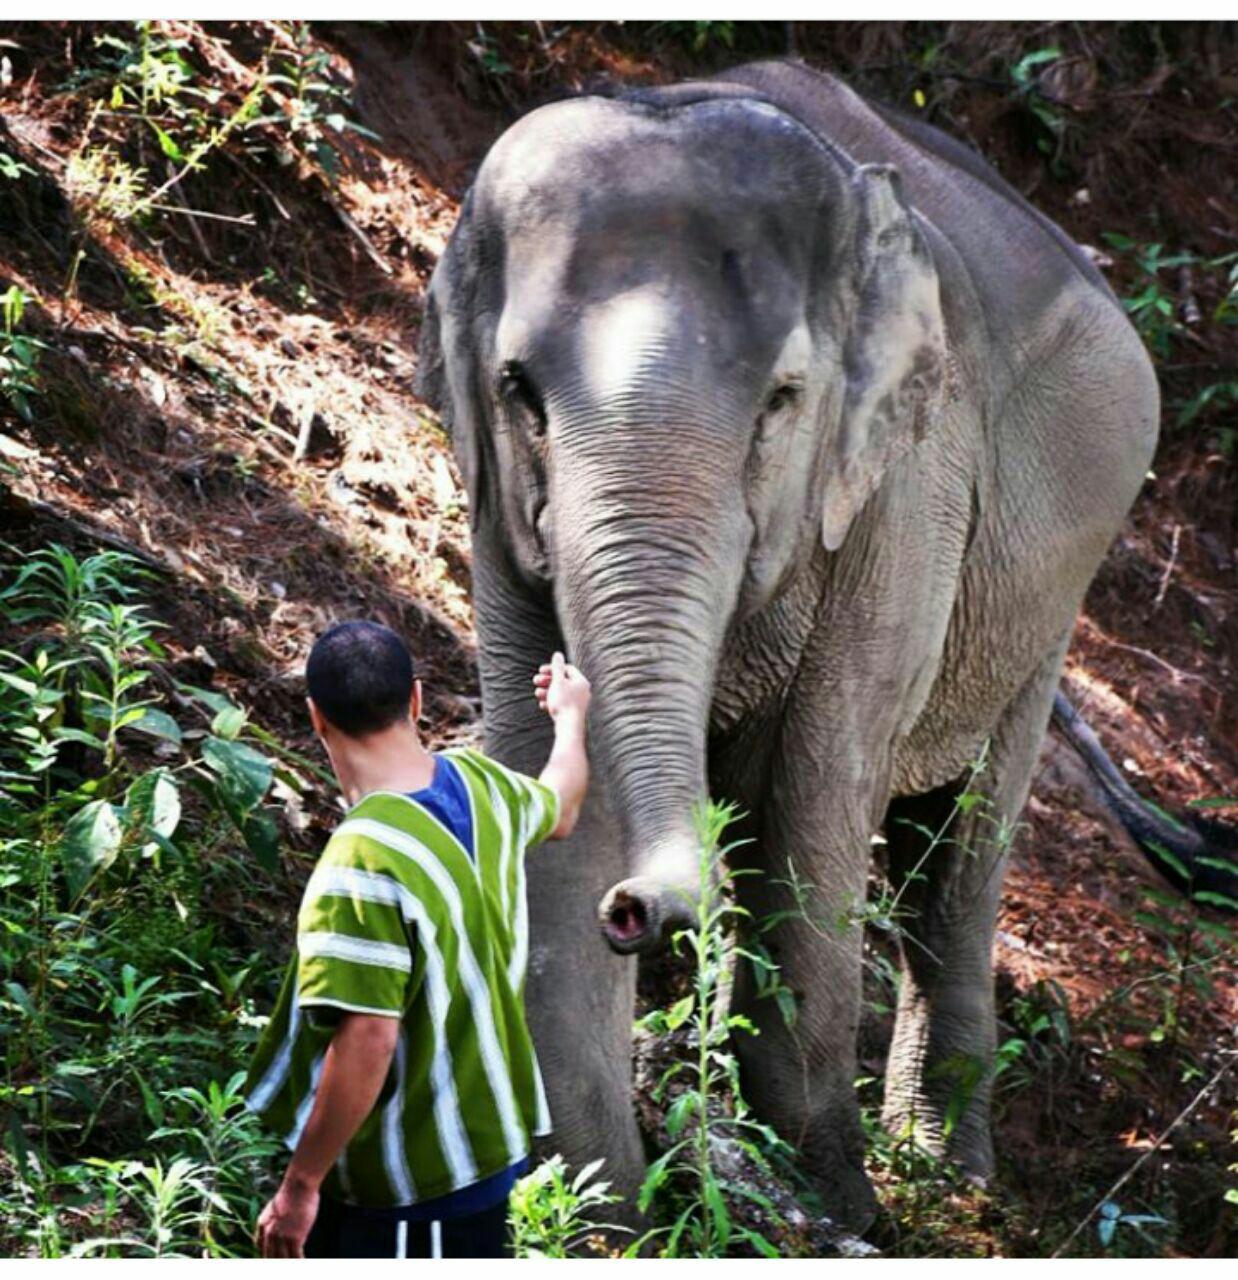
x=638 y=914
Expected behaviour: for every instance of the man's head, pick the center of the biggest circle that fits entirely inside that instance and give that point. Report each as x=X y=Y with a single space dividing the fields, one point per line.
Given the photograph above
x=360 y=680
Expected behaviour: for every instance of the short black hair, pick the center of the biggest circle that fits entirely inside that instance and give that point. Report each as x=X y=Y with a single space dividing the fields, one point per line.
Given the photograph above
x=360 y=675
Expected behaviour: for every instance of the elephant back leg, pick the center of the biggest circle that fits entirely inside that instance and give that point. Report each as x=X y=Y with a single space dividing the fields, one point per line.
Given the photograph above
x=946 y=857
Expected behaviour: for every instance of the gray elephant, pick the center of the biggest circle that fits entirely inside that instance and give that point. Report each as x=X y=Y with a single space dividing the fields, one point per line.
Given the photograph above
x=804 y=433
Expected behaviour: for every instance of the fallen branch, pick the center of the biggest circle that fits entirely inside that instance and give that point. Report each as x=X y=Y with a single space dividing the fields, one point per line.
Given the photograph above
x=14 y=503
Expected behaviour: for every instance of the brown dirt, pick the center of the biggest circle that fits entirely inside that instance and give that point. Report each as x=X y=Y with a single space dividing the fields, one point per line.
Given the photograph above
x=191 y=357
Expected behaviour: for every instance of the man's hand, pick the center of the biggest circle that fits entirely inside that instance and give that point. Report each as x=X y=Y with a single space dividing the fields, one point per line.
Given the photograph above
x=561 y=689
x=285 y=1223
x=563 y=693
x=356 y=1065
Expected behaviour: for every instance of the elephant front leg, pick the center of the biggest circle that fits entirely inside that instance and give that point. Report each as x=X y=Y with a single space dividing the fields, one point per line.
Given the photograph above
x=580 y=997
x=799 y=1073
x=940 y=1074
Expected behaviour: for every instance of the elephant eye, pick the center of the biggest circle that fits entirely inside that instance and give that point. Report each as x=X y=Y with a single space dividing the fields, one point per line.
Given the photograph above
x=517 y=389
x=783 y=396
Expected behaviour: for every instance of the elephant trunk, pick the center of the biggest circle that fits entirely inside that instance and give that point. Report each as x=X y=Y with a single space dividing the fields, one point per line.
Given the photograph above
x=648 y=570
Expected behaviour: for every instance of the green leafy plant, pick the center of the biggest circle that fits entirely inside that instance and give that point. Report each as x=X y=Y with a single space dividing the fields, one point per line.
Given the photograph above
x=111 y=995
x=234 y=1154
x=1112 y=1216
x=551 y=1213
x=315 y=105
x=1049 y=115
x=12 y=169
x=19 y=354
x=700 y=35
x=707 y=1115
x=1153 y=306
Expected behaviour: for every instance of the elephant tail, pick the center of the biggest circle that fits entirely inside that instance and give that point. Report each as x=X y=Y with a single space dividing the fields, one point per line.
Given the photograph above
x=1197 y=855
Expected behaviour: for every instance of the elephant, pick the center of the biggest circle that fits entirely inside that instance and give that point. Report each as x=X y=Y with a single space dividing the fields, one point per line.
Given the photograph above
x=803 y=434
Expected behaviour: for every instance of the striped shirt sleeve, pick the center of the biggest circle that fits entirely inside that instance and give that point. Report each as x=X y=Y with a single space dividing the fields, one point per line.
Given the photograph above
x=534 y=807
x=354 y=951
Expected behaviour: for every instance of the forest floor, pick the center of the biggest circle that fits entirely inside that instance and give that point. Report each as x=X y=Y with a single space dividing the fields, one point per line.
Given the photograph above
x=226 y=393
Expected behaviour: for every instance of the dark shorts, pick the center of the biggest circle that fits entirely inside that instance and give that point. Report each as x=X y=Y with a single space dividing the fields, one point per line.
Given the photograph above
x=340 y=1231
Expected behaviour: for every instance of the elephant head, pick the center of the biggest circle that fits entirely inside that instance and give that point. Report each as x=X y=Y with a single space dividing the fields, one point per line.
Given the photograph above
x=678 y=342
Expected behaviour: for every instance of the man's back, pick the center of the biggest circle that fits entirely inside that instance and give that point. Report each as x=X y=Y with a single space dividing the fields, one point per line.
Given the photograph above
x=400 y=919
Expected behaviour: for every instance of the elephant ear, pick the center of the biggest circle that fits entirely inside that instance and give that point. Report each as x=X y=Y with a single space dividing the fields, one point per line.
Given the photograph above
x=430 y=384
x=894 y=357
x=447 y=298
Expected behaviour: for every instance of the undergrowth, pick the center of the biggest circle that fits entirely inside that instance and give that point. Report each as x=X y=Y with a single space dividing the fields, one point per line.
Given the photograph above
x=133 y=825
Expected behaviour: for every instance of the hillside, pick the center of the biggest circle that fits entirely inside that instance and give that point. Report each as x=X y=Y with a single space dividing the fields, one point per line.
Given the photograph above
x=216 y=240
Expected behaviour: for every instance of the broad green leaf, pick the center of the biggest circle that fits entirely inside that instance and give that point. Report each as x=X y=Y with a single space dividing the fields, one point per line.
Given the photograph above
x=20 y=997
x=759 y=1243
x=154 y=803
x=1221 y=864
x=262 y=837
x=91 y=841
x=167 y=144
x=718 y=1210
x=80 y=735
x=151 y=1103
x=244 y=774
x=679 y=1012
x=228 y=722
x=1215 y=899
x=208 y=697
x=159 y=725
x=1169 y=858
x=655 y=1176
x=677 y=1116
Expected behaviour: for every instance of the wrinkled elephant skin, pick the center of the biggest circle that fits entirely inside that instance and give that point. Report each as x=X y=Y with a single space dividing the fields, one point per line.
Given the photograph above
x=805 y=434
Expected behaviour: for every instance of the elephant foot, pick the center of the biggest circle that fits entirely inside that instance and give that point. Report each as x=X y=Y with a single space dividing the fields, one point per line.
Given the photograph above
x=968 y=1143
x=841 y=1185
x=847 y=1199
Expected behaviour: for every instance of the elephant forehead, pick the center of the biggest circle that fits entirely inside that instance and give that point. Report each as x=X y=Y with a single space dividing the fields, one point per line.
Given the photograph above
x=591 y=161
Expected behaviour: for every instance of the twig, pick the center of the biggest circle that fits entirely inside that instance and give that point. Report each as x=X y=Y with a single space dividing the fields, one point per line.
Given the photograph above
x=141 y=348
x=1169 y=568
x=1147 y=1155
x=244 y=219
x=262 y=186
x=183 y=207
x=306 y=428
x=1144 y=653
x=366 y=243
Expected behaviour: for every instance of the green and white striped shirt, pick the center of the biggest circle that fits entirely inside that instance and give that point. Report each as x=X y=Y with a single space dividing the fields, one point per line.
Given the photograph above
x=398 y=920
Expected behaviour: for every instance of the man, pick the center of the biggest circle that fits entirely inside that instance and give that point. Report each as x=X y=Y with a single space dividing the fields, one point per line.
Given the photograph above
x=398 y=1065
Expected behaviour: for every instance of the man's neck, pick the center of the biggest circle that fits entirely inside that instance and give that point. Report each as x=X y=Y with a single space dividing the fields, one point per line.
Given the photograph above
x=393 y=760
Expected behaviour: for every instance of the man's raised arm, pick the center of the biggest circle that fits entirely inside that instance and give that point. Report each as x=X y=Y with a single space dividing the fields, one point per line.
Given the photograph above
x=563 y=693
